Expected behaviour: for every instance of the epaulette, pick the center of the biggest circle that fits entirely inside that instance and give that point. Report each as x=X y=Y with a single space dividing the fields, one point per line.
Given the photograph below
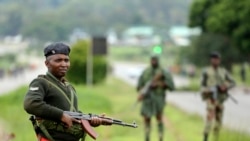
x=41 y=76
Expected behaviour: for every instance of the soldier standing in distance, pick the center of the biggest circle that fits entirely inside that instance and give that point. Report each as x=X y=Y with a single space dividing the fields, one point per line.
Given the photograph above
x=215 y=83
x=50 y=95
x=153 y=102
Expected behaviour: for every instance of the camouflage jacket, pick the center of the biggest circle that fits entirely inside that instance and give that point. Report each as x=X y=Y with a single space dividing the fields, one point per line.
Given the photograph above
x=214 y=78
x=148 y=75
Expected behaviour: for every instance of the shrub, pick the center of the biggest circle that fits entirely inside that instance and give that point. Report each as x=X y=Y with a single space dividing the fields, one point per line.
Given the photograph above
x=78 y=60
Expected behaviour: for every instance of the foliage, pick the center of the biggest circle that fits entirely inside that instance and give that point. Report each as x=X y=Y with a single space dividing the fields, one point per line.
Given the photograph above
x=224 y=17
x=78 y=60
x=55 y=19
x=206 y=43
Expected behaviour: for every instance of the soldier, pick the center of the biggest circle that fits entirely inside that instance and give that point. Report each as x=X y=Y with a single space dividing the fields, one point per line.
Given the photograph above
x=215 y=83
x=50 y=95
x=153 y=101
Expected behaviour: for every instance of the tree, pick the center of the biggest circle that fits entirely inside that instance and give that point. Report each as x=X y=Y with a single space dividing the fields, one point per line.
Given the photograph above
x=226 y=19
x=207 y=43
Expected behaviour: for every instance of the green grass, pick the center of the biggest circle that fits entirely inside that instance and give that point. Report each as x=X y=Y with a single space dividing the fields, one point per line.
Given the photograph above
x=115 y=98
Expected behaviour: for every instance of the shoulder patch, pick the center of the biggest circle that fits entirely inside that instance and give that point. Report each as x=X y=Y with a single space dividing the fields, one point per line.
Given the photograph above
x=34 y=88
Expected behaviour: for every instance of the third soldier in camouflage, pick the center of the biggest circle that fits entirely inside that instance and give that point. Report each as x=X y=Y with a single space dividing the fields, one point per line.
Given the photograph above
x=215 y=84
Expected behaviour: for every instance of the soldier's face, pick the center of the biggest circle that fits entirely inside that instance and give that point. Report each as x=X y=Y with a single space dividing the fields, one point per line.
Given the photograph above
x=215 y=61
x=58 y=64
x=154 y=63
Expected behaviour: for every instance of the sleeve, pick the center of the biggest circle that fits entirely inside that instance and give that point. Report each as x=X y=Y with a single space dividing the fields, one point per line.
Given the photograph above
x=204 y=77
x=34 y=101
x=229 y=80
x=169 y=81
x=141 y=81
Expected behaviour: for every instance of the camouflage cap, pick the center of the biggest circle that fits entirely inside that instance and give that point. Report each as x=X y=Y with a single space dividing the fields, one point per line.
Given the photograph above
x=56 y=48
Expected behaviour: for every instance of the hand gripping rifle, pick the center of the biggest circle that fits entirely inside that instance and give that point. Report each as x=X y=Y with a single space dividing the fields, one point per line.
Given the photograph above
x=144 y=91
x=105 y=121
x=215 y=90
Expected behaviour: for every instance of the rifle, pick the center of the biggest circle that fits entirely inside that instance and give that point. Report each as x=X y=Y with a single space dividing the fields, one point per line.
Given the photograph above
x=232 y=98
x=144 y=91
x=214 y=91
x=105 y=121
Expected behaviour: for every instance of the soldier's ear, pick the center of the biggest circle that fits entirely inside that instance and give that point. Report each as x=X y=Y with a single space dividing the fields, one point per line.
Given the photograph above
x=46 y=62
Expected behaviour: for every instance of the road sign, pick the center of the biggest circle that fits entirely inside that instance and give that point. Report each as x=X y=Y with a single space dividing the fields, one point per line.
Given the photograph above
x=99 y=46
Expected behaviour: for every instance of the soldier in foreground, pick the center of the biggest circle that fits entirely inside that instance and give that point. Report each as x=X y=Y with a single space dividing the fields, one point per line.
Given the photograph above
x=215 y=82
x=50 y=95
x=152 y=86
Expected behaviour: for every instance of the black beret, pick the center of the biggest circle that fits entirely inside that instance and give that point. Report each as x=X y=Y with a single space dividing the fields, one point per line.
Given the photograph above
x=56 y=48
x=215 y=55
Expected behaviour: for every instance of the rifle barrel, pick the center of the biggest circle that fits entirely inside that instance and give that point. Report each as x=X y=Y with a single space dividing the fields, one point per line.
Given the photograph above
x=134 y=125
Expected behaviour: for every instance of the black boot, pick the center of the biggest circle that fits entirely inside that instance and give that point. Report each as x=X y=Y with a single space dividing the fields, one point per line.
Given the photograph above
x=161 y=139
x=205 y=137
x=147 y=138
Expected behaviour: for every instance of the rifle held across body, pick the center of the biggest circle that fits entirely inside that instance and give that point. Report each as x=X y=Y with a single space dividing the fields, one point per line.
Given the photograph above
x=105 y=121
x=144 y=91
x=215 y=90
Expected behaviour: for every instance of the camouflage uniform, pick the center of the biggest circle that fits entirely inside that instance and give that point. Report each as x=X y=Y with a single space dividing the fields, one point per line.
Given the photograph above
x=211 y=79
x=153 y=102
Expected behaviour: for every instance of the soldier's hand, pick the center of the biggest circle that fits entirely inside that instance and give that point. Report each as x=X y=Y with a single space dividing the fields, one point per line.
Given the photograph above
x=68 y=120
x=153 y=85
x=96 y=121
x=223 y=88
x=162 y=84
x=140 y=97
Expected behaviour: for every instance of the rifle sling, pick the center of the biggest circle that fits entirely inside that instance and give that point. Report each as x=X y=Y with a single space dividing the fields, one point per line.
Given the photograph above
x=71 y=102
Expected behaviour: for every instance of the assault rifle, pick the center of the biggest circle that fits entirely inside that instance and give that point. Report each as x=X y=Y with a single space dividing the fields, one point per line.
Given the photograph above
x=215 y=90
x=144 y=91
x=105 y=121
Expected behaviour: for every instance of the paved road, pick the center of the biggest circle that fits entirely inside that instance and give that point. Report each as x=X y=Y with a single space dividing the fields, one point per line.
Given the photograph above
x=236 y=115
x=11 y=83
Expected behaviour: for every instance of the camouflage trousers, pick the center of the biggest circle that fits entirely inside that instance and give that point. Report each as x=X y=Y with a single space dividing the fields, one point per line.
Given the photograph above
x=214 y=116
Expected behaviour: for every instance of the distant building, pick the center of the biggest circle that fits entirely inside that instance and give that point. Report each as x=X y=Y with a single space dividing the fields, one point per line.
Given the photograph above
x=13 y=44
x=141 y=36
x=180 y=35
x=112 y=37
x=78 y=34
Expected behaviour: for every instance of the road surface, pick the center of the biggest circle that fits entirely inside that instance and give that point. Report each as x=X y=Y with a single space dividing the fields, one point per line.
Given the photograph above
x=236 y=116
x=12 y=83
